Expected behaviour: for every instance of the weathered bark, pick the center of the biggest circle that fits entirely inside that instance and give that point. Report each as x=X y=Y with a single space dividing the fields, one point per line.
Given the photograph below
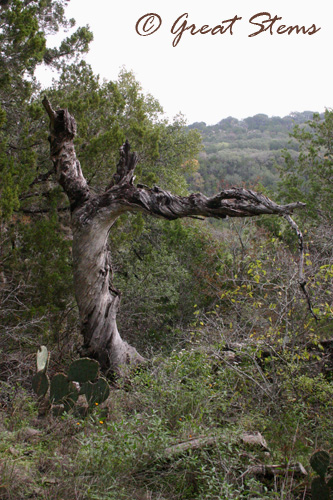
x=97 y=300
x=92 y=217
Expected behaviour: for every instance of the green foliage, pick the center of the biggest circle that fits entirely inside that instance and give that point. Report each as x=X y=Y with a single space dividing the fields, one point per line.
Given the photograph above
x=9 y=196
x=308 y=177
x=24 y=28
x=23 y=31
x=39 y=286
x=197 y=395
x=161 y=268
x=238 y=152
x=202 y=398
x=22 y=38
x=108 y=113
x=38 y=267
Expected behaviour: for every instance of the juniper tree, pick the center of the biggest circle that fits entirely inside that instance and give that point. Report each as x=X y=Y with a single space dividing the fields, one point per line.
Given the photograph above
x=24 y=27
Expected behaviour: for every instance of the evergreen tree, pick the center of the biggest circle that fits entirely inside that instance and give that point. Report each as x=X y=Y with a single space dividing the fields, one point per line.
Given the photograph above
x=26 y=277
x=309 y=176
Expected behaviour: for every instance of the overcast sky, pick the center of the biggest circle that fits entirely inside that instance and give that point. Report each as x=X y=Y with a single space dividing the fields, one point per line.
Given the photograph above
x=208 y=77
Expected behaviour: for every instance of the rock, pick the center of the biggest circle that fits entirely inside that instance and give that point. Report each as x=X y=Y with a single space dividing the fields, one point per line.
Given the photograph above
x=30 y=434
x=13 y=452
x=254 y=439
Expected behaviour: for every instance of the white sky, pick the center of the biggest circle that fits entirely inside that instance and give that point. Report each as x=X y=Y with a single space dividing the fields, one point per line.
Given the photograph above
x=207 y=77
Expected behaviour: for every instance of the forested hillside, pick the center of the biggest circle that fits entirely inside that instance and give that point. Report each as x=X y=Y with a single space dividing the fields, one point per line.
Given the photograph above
x=233 y=393
x=245 y=152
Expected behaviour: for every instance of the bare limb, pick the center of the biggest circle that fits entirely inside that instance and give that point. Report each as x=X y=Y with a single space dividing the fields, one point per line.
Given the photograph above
x=234 y=202
x=42 y=177
x=246 y=375
x=125 y=166
x=48 y=108
x=302 y=279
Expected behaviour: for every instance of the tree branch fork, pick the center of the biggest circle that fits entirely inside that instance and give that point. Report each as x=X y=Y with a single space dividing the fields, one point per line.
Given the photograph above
x=122 y=195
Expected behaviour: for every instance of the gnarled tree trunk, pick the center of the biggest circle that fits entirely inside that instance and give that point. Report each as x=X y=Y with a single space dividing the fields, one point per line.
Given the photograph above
x=92 y=217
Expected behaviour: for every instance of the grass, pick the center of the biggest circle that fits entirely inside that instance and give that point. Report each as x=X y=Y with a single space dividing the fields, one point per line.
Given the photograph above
x=127 y=448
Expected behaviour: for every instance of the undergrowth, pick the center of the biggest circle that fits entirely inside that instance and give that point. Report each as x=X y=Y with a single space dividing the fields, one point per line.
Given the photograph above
x=175 y=430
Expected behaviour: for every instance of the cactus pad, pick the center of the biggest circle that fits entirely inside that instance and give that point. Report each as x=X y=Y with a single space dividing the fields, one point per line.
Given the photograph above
x=320 y=462
x=83 y=370
x=42 y=359
x=319 y=489
x=40 y=383
x=97 y=392
x=72 y=396
x=59 y=388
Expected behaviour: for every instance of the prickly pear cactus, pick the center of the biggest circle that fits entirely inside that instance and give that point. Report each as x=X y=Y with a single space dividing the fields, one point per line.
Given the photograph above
x=96 y=392
x=320 y=461
x=59 y=388
x=40 y=383
x=72 y=396
x=83 y=370
x=42 y=359
x=320 y=490
x=64 y=390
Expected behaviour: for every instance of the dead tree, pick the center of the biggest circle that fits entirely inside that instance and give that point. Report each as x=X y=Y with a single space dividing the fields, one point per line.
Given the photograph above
x=92 y=217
